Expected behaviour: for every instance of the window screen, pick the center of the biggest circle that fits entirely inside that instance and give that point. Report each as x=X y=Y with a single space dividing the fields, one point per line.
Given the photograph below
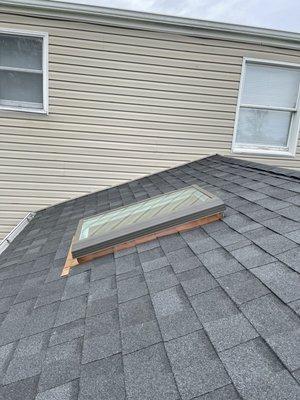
x=21 y=72
x=268 y=106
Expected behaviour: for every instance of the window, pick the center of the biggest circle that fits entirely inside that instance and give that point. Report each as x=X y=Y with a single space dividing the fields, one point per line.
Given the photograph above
x=23 y=71
x=139 y=220
x=267 y=118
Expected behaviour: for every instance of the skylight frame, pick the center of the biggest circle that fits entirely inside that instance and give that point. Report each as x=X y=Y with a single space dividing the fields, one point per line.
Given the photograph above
x=83 y=247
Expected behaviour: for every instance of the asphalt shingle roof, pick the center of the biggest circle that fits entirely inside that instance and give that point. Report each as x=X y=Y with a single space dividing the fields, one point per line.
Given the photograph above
x=209 y=314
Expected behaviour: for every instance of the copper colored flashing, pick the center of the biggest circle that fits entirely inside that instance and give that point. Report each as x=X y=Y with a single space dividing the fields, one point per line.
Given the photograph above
x=72 y=262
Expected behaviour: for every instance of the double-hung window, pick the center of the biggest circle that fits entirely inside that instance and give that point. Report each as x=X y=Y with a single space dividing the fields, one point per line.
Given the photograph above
x=23 y=71
x=268 y=113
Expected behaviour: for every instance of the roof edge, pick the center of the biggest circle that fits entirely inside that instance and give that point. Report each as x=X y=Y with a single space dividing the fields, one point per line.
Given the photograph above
x=150 y=21
x=271 y=169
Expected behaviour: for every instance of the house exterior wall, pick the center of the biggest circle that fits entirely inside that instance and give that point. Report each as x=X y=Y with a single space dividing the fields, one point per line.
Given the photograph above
x=123 y=103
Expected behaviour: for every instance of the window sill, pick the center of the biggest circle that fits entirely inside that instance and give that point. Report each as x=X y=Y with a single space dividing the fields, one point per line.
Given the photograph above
x=24 y=109
x=263 y=152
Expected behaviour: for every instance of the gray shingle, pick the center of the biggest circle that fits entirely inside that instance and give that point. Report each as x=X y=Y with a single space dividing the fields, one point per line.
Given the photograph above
x=67 y=332
x=291 y=212
x=50 y=292
x=102 y=337
x=196 y=281
x=171 y=243
x=213 y=305
x=150 y=255
x=139 y=327
x=21 y=390
x=77 y=285
x=125 y=252
x=281 y=224
x=174 y=313
x=161 y=279
x=272 y=204
x=229 y=331
x=219 y=262
x=271 y=242
x=203 y=245
x=67 y=391
x=186 y=264
x=147 y=246
x=270 y=316
x=242 y=286
x=294 y=236
x=196 y=366
x=276 y=192
x=262 y=214
x=61 y=365
x=283 y=281
x=32 y=287
x=194 y=235
x=295 y=305
x=6 y=303
x=13 y=269
x=294 y=200
x=241 y=223
x=71 y=310
x=6 y=353
x=41 y=319
x=291 y=258
x=251 y=195
x=257 y=373
x=131 y=288
x=214 y=226
x=148 y=375
x=12 y=327
x=103 y=268
x=102 y=296
x=155 y=264
x=296 y=375
x=28 y=358
x=179 y=255
x=12 y=286
x=252 y=256
x=103 y=379
x=225 y=393
x=127 y=263
x=287 y=346
x=238 y=245
x=80 y=269
x=227 y=237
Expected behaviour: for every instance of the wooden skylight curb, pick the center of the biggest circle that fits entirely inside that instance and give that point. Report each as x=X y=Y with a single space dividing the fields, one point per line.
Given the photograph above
x=72 y=262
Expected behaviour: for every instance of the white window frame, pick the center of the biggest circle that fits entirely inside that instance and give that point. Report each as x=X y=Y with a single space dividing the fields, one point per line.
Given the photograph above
x=286 y=151
x=23 y=106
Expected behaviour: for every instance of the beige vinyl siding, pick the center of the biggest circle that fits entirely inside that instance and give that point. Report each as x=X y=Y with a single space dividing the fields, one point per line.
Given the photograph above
x=123 y=103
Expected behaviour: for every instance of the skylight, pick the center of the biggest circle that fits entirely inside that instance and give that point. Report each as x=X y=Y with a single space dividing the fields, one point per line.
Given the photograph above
x=178 y=209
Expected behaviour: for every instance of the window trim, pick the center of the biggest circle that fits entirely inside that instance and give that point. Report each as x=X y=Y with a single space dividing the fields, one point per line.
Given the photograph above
x=45 y=37
x=290 y=149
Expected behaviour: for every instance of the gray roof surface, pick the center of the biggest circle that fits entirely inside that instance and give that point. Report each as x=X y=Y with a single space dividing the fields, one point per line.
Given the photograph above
x=209 y=314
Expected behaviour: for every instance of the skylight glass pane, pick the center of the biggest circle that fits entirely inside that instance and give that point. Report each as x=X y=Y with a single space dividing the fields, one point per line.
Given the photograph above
x=21 y=51
x=263 y=127
x=269 y=85
x=141 y=212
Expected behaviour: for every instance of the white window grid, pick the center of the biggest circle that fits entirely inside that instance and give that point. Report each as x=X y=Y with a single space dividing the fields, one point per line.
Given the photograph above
x=290 y=149
x=25 y=106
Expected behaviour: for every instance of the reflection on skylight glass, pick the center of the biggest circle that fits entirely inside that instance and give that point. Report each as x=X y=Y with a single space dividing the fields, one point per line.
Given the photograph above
x=141 y=212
